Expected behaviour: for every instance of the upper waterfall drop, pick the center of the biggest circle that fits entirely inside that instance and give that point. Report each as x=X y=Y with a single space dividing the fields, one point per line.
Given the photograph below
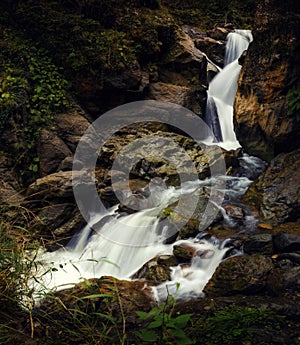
x=236 y=43
x=222 y=91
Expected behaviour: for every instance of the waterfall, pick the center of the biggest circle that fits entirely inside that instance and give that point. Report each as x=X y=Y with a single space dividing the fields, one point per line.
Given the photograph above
x=222 y=90
x=119 y=245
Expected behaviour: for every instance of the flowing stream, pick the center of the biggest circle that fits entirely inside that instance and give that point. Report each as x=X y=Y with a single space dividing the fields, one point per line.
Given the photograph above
x=119 y=245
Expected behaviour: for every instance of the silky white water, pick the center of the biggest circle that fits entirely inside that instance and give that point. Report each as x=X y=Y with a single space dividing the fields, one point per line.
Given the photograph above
x=222 y=91
x=236 y=43
x=119 y=246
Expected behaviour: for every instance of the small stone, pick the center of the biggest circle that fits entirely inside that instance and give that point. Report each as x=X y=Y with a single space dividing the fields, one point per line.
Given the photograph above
x=265 y=226
x=234 y=211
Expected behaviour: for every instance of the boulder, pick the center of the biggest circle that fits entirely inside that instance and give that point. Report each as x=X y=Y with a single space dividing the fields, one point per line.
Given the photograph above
x=285 y=279
x=187 y=96
x=219 y=33
x=240 y=275
x=184 y=65
x=71 y=126
x=99 y=301
x=51 y=152
x=259 y=243
x=265 y=116
x=233 y=211
x=286 y=243
x=276 y=194
x=157 y=269
x=184 y=253
x=57 y=185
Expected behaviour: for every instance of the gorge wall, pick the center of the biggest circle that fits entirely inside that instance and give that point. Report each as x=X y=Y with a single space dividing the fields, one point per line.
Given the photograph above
x=267 y=103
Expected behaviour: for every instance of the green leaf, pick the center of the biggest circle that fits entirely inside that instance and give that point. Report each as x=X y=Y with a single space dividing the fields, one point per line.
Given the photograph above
x=97 y=296
x=182 y=320
x=145 y=335
x=156 y=323
x=142 y=315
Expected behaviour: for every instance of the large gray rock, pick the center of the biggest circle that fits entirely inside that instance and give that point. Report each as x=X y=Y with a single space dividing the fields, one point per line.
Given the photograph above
x=276 y=194
x=259 y=243
x=285 y=243
x=51 y=152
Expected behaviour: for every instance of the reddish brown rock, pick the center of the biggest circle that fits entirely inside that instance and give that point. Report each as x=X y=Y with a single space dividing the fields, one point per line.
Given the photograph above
x=265 y=121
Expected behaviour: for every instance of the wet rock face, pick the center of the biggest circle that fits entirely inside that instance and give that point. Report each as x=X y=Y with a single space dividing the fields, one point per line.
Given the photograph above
x=240 y=275
x=264 y=122
x=276 y=194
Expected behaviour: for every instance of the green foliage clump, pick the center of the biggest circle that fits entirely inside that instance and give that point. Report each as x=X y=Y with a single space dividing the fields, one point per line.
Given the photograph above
x=161 y=326
x=76 y=37
x=29 y=82
x=32 y=90
x=207 y=14
x=235 y=324
x=293 y=98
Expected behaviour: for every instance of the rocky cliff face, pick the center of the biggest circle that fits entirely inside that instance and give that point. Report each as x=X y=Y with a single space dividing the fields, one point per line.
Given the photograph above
x=267 y=100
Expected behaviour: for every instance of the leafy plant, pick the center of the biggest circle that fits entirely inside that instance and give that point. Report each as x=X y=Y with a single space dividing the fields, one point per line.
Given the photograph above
x=161 y=326
x=293 y=98
x=233 y=324
x=32 y=90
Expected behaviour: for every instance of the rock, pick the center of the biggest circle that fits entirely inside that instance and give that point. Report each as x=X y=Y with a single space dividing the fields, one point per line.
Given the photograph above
x=233 y=211
x=265 y=122
x=260 y=243
x=242 y=57
x=66 y=164
x=285 y=243
x=9 y=195
x=240 y=275
x=184 y=253
x=276 y=194
x=184 y=65
x=167 y=155
x=96 y=297
x=70 y=227
x=54 y=216
x=57 y=185
x=51 y=152
x=70 y=127
x=193 y=31
x=214 y=49
x=187 y=96
x=264 y=226
x=219 y=33
x=284 y=279
x=292 y=257
x=157 y=269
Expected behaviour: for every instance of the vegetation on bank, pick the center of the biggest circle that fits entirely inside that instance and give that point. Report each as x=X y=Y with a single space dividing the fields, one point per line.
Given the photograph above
x=32 y=90
x=207 y=14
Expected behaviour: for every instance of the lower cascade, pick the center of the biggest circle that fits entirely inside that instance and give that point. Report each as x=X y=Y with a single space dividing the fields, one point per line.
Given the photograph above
x=119 y=245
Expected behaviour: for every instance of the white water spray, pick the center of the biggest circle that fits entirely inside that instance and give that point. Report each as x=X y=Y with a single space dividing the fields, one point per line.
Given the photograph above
x=222 y=90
